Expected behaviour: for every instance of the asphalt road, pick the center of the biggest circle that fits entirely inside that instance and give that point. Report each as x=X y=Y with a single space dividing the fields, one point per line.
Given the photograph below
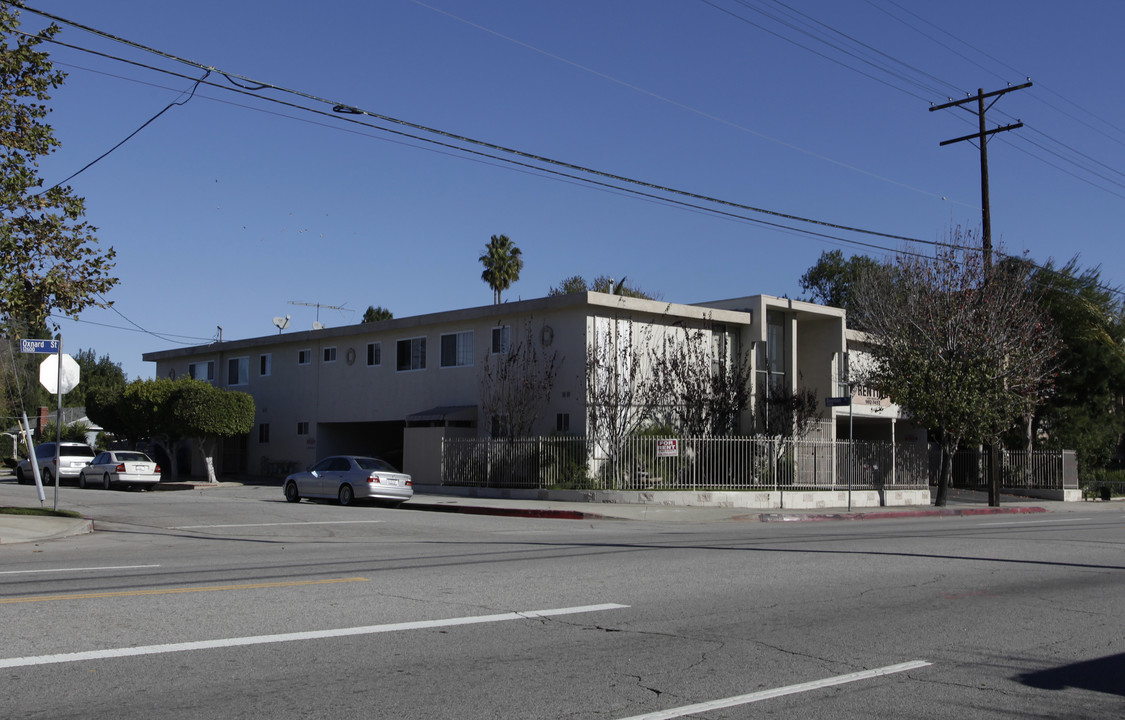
x=231 y=603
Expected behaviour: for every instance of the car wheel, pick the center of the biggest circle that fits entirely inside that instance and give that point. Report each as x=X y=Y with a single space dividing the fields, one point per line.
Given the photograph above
x=292 y=494
x=20 y=477
x=48 y=478
x=82 y=480
x=105 y=482
x=346 y=495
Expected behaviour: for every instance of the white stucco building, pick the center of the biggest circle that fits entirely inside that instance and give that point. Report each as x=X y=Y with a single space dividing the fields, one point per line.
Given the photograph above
x=395 y=388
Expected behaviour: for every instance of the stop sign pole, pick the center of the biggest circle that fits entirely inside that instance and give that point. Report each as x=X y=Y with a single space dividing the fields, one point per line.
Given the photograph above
x=60 y=384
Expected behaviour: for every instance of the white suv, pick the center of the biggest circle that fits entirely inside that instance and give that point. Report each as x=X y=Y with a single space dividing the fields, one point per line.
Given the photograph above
x=72 y=458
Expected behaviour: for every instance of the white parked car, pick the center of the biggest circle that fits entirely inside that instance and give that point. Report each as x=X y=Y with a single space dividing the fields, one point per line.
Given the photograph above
x=72 y=458
x=120 y=467
x=348 y=478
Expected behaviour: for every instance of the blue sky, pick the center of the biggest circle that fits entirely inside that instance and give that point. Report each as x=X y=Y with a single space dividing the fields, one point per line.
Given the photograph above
x=227 y=208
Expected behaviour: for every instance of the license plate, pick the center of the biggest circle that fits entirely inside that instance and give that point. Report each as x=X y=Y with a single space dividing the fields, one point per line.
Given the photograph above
x=140 y=468
x=391 y=481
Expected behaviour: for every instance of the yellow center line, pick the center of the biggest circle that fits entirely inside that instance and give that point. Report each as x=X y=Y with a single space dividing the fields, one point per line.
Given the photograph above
x=174 y=591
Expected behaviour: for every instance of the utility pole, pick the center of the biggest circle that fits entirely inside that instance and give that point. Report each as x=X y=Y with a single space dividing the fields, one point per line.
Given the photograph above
x=981 y=136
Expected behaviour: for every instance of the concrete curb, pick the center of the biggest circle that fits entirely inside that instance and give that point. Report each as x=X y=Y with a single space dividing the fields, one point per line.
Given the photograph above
x=896 y=514
x=548 y=513
x=31 y=528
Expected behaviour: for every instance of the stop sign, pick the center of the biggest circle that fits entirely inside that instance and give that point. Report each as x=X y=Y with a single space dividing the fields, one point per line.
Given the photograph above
x=49 y=375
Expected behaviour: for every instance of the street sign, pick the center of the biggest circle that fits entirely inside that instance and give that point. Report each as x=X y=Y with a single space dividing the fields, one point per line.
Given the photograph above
x=51 y=378
x=838 y=401
x=39 y=346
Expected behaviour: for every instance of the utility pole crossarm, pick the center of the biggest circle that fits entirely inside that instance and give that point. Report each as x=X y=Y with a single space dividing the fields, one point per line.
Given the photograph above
x=980 y=96
x=976 y=135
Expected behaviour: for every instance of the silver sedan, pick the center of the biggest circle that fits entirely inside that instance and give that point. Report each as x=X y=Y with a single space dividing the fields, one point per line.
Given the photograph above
x=120 y=467
x=348 y=478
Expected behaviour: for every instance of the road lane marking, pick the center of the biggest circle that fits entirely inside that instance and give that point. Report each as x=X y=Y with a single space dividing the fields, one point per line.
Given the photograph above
x=779 y=692
x=280 y=524
x=80 y=569
x=1033 y=522
x=177 y=591
x=297 y=636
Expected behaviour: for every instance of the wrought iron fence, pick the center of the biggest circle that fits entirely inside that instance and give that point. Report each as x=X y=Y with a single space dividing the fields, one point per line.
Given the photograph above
x=643 y=463
x=1030 y=470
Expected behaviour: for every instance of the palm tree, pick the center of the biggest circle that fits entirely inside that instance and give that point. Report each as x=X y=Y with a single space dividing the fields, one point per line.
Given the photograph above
x=502 y=264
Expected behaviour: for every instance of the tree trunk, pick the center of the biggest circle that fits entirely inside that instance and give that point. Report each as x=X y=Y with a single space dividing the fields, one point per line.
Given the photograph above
x=946 y=475
x=994 y=473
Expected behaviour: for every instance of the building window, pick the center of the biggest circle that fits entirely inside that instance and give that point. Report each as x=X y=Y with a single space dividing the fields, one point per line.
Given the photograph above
x=562 y=422
x=202 y=370
x=238 y=371
x=304 y=357
x=264 y=433
x=302 y=428
x=329 y=354
x=374 y=354
x=411 y=354
x=457 y=349
x=265 y=364
x=501 y=339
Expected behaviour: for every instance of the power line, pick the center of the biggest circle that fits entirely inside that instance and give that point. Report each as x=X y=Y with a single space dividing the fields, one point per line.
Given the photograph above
x=247 y=86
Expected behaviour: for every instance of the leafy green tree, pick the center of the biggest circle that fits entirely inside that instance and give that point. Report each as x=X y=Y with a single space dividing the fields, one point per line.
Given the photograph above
x=832 y=279
x=49 y=259
x=602 y=283
x=961 y=351
x=1083 y=413
x=377 y=314
x=97 y=375
x=208 y=414
x=502 y=262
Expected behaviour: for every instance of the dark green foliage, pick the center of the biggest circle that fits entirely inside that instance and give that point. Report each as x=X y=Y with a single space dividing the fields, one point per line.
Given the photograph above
x=377 y=314
x=832 y=280
x=502 y=262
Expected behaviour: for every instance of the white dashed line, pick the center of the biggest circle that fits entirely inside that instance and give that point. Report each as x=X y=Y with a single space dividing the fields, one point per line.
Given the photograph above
x=296 y=636
x=778 y=692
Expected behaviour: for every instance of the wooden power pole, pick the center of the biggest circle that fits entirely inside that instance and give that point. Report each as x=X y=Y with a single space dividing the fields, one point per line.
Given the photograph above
x=981 y=136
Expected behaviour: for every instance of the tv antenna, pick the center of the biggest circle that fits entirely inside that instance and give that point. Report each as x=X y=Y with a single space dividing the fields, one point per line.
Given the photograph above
x=318 y=325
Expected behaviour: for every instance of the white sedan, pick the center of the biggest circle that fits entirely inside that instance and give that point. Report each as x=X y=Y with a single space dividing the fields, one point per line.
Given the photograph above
x=348 y=478
x=120 y=467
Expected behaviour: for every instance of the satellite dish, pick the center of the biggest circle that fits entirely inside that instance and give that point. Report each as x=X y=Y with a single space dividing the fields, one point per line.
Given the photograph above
x=281 y=323
x=318 y=326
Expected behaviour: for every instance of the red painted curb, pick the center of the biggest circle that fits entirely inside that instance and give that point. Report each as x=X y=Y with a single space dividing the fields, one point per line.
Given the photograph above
x=895 y=514
x=505 y=512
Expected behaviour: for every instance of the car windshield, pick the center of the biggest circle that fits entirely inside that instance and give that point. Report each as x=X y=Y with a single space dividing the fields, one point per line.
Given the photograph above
x=368 y=463
x=132 y=457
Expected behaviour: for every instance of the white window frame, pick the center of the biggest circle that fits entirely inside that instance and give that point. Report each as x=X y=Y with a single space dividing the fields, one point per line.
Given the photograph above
x=304 y=357
x=242 y=371
x=462 y=349
x=265 y=364
x=208 y=367
x=328 y=354
x=302 y=428
x=417 y=353
x=501 y=339
x=374 y=354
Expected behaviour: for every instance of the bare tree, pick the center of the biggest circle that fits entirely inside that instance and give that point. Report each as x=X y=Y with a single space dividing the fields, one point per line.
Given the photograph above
x=620 y=384
x=516 y=385
x=961 y=349
x=702 y=383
